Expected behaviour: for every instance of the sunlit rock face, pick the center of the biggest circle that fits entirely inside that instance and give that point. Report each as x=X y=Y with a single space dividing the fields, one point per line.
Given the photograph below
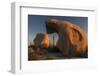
x=41 y=40
x=72 y=39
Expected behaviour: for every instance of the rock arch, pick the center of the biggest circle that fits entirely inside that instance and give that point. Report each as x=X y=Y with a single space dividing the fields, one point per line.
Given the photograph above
x=72 y=39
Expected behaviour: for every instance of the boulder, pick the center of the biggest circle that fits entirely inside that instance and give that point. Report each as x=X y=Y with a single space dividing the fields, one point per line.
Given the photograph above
x=41 y=40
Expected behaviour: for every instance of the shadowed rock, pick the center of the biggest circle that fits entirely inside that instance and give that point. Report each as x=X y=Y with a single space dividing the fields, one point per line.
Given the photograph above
x=72 y=39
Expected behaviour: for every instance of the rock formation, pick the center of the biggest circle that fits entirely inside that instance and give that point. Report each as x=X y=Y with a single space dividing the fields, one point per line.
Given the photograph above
x=41 y=40
x=36 y=53
x=72 y=39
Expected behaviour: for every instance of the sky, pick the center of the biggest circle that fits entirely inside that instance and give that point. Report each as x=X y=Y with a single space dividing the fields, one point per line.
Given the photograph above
x=36 y=24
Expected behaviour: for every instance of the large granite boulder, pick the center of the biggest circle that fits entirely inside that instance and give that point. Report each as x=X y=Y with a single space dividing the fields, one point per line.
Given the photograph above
x=72 y=39
x=41 y=40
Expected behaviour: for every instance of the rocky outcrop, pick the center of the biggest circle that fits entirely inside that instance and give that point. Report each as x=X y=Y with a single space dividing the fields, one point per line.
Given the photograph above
x=36 y=53
x=41 y=40
x=72 y=39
